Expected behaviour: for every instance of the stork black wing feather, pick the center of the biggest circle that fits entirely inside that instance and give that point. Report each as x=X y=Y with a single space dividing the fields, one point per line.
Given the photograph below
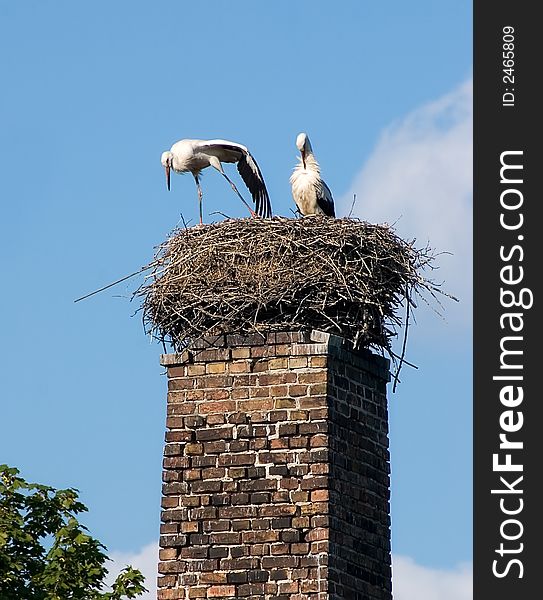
x=325 y=200
x=249 y=171
x=252 y=176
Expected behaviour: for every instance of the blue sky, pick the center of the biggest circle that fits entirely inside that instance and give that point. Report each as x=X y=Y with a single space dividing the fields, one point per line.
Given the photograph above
x=92 y=93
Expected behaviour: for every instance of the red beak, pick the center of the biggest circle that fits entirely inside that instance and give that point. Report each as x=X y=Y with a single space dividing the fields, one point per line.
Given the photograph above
x=168 y=177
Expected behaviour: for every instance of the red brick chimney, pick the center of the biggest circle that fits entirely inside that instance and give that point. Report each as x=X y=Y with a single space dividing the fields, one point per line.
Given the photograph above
x=276 y=471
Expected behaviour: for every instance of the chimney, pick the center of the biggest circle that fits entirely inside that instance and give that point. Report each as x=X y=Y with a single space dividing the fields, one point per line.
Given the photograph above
x=276 y=470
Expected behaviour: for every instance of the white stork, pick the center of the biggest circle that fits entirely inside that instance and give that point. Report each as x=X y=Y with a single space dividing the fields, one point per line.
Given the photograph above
x=310 y=192
x=194 y=155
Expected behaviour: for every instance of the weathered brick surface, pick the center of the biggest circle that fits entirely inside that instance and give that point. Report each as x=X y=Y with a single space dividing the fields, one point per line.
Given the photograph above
x=276 y=471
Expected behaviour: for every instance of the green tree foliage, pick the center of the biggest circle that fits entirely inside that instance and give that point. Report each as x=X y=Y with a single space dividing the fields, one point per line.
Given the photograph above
x=45 y=553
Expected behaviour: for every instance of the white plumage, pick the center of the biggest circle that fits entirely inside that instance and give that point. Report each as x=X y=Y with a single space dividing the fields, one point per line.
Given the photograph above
x=195 y=155
x=311 y=194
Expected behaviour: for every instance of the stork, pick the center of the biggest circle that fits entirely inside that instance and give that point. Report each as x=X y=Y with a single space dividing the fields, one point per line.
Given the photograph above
x=192 y=156
x=310 y=192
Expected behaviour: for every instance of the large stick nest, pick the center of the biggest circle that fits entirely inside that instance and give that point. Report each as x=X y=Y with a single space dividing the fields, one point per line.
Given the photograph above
x=342 y=276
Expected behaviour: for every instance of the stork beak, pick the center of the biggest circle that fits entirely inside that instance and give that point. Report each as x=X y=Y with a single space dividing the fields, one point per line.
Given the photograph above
x=303 y=157
x=168 y=176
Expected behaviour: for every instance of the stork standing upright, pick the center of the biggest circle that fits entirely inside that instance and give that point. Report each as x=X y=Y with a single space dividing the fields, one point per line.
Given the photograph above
x=310 y=192
x=195 y=155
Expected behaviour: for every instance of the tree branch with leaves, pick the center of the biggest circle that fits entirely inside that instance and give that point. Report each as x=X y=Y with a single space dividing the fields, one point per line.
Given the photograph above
x=46 y=553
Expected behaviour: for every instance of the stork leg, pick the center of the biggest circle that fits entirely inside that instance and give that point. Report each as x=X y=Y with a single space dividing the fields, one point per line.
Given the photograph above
x=200 y=195
x=253 y=214
x=216 y=163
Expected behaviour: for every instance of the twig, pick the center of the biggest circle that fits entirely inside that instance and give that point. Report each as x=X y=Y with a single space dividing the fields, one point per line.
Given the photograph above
x=150 y=266
x=218 y=212
x=406 y=328
x=352 y=206
x=253 y=275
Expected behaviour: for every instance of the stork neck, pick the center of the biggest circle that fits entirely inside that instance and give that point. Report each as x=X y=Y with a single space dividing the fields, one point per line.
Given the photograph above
x=311 y=161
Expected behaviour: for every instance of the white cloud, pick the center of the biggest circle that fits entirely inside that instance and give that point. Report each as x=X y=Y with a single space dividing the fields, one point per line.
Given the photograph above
x=146 y=560
x=411 y=581
x=419 y=178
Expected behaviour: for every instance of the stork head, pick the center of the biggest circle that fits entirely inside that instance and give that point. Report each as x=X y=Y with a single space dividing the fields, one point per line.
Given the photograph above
x=303 y=145
x=301 y=141
x=167 y=162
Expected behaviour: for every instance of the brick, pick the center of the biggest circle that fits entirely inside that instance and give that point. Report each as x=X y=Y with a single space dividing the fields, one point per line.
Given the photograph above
x=235 y=564
x=319 y=495
x=297 y=390
x=299 y=362
x=254 y=339
x=290 y=535
x=288 y=429
x=181 y=384
x=318 y=361
x=260 y=498
x=289 y=587
x=216 y=367
x=277 y=378
x=277 y=363
x=240 y=366
x=170 y=594
x=194 y=395
x=218 y=552
x=229 y=460
x=213 y=473
x=221 y=591
x=271 y=562
x=299 y=442
x=216 y=447
x=241 y=353
x=193 y=370
x=237 y=499
x=278 y=443
x=174 y=422
x=271 y=452
x=206 y=486
x=258 y=576
x=171 y=566
x=278 y=510
x=301 y=522
x=215 y=433
x=173 y=541
x=240 y=393
x=316 y=389
x=253 y=537
x=167 y=553
x=258 y=444
x=239 y=446
x=259 y=364
x=213 y=381
x=190 y=527
x=224 y=538
x=299 y=496
x=285 y=403
x=260 y=392
x=313 y=377
x=170 y=502
x=215 y=395
x=277 y=416
x=256 y=404
x=259 y=352
x=221 y=525
x=194 y=449
x=193 y=422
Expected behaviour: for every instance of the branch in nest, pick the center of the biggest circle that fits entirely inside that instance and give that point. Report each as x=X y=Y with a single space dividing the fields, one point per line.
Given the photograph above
x=250 y=275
